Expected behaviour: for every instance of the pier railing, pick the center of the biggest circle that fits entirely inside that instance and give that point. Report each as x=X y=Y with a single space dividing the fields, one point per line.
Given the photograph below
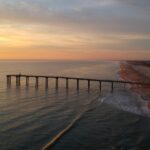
x=37 y=77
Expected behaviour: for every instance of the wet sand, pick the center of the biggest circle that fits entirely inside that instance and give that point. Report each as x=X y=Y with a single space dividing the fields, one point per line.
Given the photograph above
x=138 y=72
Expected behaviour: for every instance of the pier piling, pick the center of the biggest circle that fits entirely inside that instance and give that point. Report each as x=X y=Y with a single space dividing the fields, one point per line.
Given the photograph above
x=67 y=83
x=17 y=81
x=36 y=82
x=27 y=81
x=88 y=85
x=8 y=81
x=78 y=84
x=56 y=82
x=112 y=87
x=100 y=86
x=46 y=82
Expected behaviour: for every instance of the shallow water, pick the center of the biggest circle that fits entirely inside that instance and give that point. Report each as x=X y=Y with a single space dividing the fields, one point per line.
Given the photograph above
x=30 y=118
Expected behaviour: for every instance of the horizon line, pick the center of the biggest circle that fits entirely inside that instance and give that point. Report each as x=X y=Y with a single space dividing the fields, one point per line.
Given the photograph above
x=83 y=60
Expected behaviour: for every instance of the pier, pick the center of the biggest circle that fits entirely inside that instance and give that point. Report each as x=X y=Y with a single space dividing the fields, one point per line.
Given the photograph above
x=67 y=79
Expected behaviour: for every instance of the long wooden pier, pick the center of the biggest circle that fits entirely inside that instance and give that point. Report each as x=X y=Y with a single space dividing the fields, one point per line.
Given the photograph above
x=37 y=77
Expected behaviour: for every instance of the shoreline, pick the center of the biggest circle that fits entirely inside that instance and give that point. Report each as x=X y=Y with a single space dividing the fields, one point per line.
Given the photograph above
x=137 y=72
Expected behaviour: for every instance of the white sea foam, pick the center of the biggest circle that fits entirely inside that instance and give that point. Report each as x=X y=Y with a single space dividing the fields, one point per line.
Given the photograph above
x=128 y=102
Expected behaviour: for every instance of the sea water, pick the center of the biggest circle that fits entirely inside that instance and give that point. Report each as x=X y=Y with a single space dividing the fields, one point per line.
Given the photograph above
x=31 y=118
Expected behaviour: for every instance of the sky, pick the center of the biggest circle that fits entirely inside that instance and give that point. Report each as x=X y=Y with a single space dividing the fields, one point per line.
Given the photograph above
x=75 y=29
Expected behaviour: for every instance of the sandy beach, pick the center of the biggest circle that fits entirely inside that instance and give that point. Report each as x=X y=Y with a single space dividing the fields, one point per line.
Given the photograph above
x=137 y=72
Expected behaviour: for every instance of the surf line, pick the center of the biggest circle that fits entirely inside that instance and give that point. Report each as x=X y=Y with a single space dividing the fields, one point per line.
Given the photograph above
x=65 y=130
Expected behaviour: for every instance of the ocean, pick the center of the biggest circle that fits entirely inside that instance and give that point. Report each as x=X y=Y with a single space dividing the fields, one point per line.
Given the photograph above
x=31 y=118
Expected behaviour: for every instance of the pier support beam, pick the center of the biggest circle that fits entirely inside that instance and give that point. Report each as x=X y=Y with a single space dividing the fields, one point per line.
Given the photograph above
x=78 y=84
x=8 y=81
x=17 y=80
x=56 y=82
x=112 y=87
x=100 y=86
x=46 y=82
x=89 y=85
x=36 y=82
x=67 y=83
x=27 y=81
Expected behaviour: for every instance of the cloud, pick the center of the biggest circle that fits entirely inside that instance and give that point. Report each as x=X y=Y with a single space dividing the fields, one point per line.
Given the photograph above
x=139 y=3
x=88 y=24
x=77 y=15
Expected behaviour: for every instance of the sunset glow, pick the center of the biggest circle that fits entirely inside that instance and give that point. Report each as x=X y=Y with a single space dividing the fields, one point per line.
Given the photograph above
x=91 y=30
